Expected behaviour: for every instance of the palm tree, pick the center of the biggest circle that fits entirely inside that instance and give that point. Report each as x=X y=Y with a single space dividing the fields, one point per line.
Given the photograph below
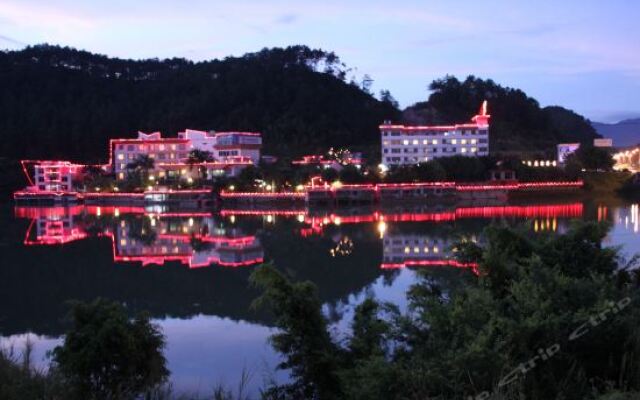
x=143 y=163
x=197 y=156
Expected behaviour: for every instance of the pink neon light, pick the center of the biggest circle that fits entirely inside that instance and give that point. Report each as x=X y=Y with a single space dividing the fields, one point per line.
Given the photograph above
x=481 y=120
x=225 y=194
x=431 y=263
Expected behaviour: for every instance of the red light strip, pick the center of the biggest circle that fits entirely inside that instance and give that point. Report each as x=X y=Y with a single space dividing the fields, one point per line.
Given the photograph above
x=225 y=194
x=431 y=263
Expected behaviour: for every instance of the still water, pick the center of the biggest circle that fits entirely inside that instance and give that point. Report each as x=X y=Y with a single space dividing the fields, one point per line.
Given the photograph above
x=190 y=269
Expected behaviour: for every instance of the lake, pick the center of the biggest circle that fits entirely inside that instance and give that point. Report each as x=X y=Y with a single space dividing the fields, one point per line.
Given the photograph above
x=190 y=269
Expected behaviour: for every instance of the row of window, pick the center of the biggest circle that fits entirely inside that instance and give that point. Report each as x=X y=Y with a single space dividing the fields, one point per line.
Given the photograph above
x=416 y=142
x=150 y=147
x=159 y=156
x=435 y=150
x=53 y=188
x=408 y=250
x=438 y=133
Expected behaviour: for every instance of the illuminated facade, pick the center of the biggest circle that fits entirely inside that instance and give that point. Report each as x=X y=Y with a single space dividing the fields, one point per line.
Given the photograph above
x=231 y=151
x=55 y=176
x=565 y=150
x=410 y=145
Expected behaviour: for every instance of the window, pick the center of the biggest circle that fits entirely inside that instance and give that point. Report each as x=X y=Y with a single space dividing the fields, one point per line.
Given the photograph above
x=385 y=151
x=405 y=142
x=463 y=150
x=120 y=156
x=434 y=141
x=463 y=141
x=454 y=141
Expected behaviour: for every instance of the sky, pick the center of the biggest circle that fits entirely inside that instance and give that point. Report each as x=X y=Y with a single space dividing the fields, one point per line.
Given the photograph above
x=581 y=54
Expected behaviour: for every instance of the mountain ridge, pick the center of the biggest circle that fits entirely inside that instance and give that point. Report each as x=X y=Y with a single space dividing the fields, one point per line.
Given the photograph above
x=624 y=133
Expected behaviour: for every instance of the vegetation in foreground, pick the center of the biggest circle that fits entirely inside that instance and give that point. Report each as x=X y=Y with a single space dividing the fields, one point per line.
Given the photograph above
x=548 y=317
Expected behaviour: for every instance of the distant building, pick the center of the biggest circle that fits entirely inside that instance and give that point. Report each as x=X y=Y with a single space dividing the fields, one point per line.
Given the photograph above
x=603 y=142
x=337 y=162
x=409 y=145
x=566 y=149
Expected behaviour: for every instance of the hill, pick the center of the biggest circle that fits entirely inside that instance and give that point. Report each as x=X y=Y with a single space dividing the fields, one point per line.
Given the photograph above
x=518 y=123
x=624 y=133
x=63 y=103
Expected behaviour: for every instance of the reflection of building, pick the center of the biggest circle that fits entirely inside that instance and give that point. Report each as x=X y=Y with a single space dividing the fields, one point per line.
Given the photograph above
x=191 y=239
x=413 y=250
x=408 y=145
x=400 y=248
x=54 y=229
x=195 y=242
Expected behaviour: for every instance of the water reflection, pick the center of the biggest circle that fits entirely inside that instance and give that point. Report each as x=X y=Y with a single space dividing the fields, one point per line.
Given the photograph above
x=198 y=239
x=193 y=239
x=82 y=252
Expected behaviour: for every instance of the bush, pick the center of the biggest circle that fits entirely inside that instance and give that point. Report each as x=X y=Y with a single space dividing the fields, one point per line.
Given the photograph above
x=107 y=356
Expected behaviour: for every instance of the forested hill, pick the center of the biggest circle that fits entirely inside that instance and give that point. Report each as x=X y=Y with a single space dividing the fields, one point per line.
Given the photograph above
x=62 y=103
x=517 y=120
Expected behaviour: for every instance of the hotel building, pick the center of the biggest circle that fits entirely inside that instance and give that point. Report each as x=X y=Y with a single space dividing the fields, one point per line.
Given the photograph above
x=55 y=176
x=231 y=151
x=410 y=145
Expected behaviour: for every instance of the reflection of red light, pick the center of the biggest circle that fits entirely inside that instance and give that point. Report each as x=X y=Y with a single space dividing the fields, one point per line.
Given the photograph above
x=224 y=194
x=56 y=233
x=431 y=263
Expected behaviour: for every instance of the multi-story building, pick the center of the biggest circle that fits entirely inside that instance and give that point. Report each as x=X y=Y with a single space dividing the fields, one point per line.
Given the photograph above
x=55 y=176
x=226 y=146
x=410 y=145
x=231 y=151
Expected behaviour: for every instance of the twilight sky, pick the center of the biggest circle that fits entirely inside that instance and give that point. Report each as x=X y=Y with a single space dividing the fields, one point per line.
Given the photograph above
x=582 y=54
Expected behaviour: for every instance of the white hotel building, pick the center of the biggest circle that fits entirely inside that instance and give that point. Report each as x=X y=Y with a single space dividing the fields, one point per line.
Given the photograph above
x=231 y=151
x=410 y=145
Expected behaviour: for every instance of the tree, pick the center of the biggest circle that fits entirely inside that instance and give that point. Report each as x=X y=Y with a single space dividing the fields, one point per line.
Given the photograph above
x=197 y=156
x=304 y=340
x=593 y=158
x=329 y=175
x=430 y=171
x=95 y=177
x=386 y=97
x=107 y=356
x=141 y=166
x=367 y=81
x=351 y=174
x=546 y=316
